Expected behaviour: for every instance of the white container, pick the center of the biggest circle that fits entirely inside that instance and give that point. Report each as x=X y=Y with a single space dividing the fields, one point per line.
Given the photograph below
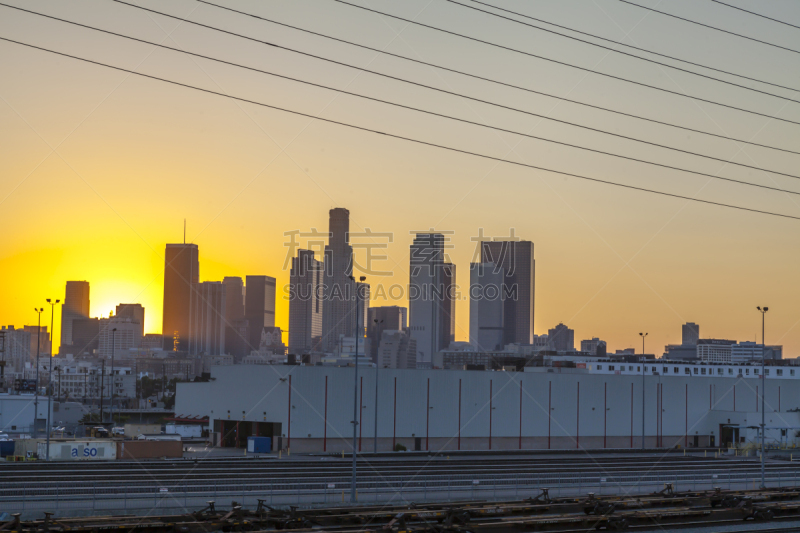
x=79 y=450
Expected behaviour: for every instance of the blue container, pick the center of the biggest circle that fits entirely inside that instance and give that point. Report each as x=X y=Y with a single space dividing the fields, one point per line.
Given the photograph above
x=259 y=445
x=6 y=448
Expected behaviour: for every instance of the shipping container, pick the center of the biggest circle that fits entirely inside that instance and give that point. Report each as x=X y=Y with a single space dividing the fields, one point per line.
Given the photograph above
x=186 y=431
x=134 y=430
x=79 y=450
x=6 y=447
x=259 y=445
x=149 y=449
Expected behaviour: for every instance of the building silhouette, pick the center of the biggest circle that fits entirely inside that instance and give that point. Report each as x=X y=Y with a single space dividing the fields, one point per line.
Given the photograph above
x=259 y=308
x=516 y=260
x=181 y=271
x=75 y=306
x=339 y=316
x=561 y=338
x=690 y=333
x=306 y=304
x=235 y=323
x=133 y=311
x=385 y=318
x=486 y=307
x=207 y=319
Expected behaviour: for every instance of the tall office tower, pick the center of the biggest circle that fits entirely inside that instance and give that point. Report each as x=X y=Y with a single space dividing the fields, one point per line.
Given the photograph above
x=339 y=317
x=207 y=319
x=234 y=314
x=561 y=338
x=397 y=350
x=305 y=303
x=429 y=307
x=516 y=259
x=380 y=319
x=133 y=311
x=76 y=305
x=690 y=333
x=486 y=307
x=123 y=339
x=86 y=336
x=447 y=315
x=42 y=337
x=181 y=270
x=17 y=349
x=259 y=308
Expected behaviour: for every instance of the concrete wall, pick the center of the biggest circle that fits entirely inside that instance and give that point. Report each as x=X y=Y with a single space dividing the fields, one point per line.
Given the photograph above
x=454 y=410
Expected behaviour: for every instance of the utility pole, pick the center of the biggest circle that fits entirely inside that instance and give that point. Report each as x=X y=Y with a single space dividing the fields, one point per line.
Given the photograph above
x=113 y=342
x=50 y=380
x=643 y=335
x=377 y=367
x=102 y=386
x=763 y=386
x=355 y=398
x=38 y=349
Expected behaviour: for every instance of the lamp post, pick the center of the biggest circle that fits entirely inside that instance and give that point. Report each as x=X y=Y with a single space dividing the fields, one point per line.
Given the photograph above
x=113 y=342
x=763 y=312
x=50 y=379
x=643 y=335
x=355 y=397
x=38 y=349
x=377 y=367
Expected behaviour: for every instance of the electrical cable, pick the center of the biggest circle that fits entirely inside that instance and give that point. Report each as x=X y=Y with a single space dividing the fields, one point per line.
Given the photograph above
x=612 y=76
x=441 y=115
x=482 y=78
x=745 y=87
x=409 y=139
x=712 y=27
x=757 y=14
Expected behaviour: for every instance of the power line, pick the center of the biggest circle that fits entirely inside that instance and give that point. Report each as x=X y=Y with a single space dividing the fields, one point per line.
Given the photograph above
x=409 y=139
x=482 y=78
x=626 y=53
x=712 y=27
x=756 y=14
x=441 y=115
x=619 y=78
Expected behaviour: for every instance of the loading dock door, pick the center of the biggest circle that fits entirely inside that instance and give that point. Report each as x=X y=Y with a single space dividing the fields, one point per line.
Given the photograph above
x=234 y=433
x=728 y=435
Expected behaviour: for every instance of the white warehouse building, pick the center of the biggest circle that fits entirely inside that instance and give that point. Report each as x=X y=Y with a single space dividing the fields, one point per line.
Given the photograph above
x=310 y=408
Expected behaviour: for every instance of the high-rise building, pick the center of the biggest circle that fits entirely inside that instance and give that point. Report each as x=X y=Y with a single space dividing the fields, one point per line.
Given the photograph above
x=590 y=345
x=339 y=317
x=305 y=303
x=85 y=336
x=380 y=319
x=690 y=333
x=181 y=270
x=42 y=337
x=17 y=349
x=561 y=338
x=516 y=260
x=259 y=308
x=75 y=306
x=234 y=315
x=133 y=311
x=125 y=337
x=486 y=307
x=447 y=315
x=397 y=350
x=207 y=319
x=429 y=278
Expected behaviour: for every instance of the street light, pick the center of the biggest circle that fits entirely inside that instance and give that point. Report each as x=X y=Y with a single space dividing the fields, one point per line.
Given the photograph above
x=377 y=367
x=113 y=339
x=763 y=312
x=643 y=335
x=38 y=346
x=50 y=379
x=355 y=397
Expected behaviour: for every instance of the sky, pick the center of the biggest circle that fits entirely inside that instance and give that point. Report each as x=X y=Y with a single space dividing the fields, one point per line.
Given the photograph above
x=99 y=168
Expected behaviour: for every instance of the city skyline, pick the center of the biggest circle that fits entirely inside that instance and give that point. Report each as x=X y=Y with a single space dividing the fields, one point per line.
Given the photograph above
x=139 y=158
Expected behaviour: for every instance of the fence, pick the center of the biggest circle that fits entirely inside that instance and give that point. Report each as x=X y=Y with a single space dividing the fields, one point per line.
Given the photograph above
x=84 y=497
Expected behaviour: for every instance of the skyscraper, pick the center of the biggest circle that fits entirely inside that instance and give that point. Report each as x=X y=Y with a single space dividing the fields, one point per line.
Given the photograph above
x=690 y=333
x=181 y=270
x=235 y=323
x=486 y=307
x=516 y=259
x=339 y=316
x=76 y=305
x=207 y=319
x=259 y=308
x=561 y=338
x=125 y=337
x=42 y=337
x=385 y=318
x=133 y=311
x=305 y=303
x=447 y=315
x=430 y=309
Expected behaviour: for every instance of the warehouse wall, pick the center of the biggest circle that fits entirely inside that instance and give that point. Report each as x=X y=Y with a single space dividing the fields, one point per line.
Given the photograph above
x=453 y=410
